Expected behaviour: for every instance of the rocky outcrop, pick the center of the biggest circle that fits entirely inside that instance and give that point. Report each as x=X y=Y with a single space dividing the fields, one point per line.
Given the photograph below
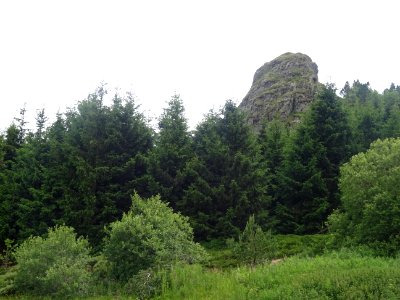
x=282 y=88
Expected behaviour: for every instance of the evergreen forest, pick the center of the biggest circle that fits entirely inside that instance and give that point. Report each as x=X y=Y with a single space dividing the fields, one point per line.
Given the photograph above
x=100 y=203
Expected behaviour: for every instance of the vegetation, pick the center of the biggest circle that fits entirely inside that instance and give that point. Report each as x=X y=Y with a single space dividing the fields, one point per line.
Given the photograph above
x=342 y=275
x=150 y=235
x=56 y=265
x=370 y=198
x=254 y=245
x=223 y=184
x=100 y=204
x=307 y=191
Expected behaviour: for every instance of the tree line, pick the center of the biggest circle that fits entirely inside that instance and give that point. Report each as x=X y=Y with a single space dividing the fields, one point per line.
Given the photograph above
x=82 y=169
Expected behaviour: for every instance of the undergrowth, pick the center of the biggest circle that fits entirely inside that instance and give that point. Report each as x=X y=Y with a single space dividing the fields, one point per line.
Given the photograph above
x=338 y=275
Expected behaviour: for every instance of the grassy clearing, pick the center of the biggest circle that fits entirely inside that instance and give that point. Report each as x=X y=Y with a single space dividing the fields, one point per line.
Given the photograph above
x=342 y=275
x=221 y=257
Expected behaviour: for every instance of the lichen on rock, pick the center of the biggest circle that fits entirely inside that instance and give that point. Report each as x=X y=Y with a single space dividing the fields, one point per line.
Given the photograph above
x=282 y=88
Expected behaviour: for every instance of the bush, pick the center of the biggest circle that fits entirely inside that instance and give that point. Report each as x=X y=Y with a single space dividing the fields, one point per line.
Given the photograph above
x=149 y=235
x=56 y=265
x=370 y=189
x=254 y=245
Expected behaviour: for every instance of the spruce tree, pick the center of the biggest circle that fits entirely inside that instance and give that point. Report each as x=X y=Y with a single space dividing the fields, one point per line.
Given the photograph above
x=309 y=178
x=10 y=183
x=272 y=139
x=105 y=148
x=172 y=151
x=227 y=179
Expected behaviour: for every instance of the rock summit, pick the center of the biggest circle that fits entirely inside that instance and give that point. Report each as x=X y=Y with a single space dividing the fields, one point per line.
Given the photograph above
x=282 y=88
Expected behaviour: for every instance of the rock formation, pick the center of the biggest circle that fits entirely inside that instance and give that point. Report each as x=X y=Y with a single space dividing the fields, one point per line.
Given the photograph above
x=282 y=88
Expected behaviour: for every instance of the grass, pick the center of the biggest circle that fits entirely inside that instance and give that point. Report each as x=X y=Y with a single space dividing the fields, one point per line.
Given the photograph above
x=288 y=245
x=332 y=276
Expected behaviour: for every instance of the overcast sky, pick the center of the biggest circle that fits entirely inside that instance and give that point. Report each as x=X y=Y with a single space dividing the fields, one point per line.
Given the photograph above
x=54 y=53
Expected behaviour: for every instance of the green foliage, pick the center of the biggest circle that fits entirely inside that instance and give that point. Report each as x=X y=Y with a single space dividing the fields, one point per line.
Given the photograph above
x=147 y=283
x=302 y=245
x=372 y=115
x=149 y=235
x=171 y=153
x=56 y=265
x=7 y=256
x=308 y=179
x=105 y=162
x=342 y=275
x=7 y=279
x=370 y=212
x=225 y=181
x=254 y=245
x=80 y=171
x=222 y=254
x=273 y=139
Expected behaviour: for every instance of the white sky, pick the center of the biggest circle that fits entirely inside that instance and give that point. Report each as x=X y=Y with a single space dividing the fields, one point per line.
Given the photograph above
x=54 y=53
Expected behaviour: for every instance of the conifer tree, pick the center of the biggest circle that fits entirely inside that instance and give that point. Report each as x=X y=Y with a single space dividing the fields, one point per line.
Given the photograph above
x=272 y=139
x=173 y=150
x=105 y=146
x=24 y=204
x=10 y=190
x=309 y=181
x=227 y=180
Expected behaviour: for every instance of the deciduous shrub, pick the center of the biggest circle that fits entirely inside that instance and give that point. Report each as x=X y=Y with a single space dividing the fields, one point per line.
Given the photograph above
x=149 y=235
x=370 y=190
x=56 y=265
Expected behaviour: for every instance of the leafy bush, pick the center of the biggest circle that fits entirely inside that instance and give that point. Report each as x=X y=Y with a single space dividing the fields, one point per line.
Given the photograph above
x=254 y=245
x=56 y=265
x=370 y=190
x=149 y=235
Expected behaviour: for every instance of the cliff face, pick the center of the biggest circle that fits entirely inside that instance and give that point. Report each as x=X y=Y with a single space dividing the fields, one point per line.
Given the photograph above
x=282 y=88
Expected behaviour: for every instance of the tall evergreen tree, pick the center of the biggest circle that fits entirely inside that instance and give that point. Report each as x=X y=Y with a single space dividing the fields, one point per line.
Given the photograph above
x=227 y=181
x=106 y=146
x=31 y=213
x=9 y=185
x=309 y=181
x=391 y=115
x=202 y=179
x=272 y=139
x=173 y=150
x=366 y=114
x=21 y=123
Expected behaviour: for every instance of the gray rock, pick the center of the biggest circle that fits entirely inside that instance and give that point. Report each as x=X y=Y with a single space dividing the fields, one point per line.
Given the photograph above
x=282 y=88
